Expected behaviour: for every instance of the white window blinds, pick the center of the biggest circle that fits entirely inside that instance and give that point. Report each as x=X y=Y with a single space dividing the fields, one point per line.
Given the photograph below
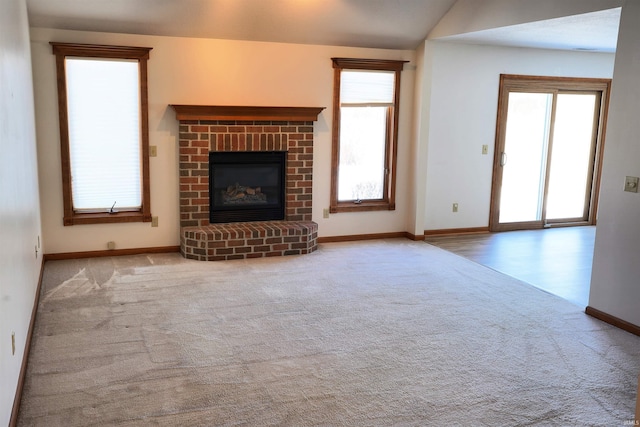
x=103 y=103
x=366 y=87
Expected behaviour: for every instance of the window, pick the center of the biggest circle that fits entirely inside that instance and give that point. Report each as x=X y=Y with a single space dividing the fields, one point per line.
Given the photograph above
x=365 y=129
x=104 y=133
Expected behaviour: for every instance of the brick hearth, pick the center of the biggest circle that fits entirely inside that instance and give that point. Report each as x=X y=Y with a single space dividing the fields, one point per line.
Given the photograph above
x=240 y=240
x=218 y=128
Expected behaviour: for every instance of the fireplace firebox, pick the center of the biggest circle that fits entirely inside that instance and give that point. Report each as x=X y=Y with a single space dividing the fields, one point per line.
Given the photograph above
x=246 y=186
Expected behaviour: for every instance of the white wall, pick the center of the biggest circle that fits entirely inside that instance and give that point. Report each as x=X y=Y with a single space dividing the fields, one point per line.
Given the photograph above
x=19 y=203
x=615 y=280
x=210 y=72
x=422 y=112
x=464 y=100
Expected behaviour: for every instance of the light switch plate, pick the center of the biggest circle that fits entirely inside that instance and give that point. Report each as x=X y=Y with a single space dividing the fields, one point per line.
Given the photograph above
x=631 y=184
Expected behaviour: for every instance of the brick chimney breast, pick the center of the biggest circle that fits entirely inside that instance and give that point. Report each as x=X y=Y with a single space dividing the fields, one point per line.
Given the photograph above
x=229 y=128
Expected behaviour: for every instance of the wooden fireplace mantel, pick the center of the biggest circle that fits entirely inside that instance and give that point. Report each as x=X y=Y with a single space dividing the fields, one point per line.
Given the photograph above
x=226 y=112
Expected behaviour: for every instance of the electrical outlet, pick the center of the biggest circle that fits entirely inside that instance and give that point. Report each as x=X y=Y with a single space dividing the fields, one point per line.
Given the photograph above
x=111 y=245
x=153 y=151
x=631 y=184
x=325 y=213
x=154 y=221
x=455 y=207
x=485 y=149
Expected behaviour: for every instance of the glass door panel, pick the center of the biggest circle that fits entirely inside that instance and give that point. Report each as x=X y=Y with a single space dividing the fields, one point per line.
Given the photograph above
x=571 y=159
x=524 y=157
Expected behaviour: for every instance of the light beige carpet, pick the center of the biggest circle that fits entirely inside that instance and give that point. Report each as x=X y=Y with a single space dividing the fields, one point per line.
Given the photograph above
x=377 y=333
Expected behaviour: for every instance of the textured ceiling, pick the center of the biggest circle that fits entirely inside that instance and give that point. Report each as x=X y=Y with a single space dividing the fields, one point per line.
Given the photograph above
x=596 y=31
x=389 y=24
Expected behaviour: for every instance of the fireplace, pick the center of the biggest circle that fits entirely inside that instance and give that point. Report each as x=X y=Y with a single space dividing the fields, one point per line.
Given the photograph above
x=246 y=186
x=212 y=132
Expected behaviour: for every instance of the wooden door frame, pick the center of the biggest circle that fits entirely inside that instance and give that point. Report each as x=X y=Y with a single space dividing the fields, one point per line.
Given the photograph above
x=514 y=83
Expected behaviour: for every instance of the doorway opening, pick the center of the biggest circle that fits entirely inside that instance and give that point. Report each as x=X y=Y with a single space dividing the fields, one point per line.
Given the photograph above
x=549 y=140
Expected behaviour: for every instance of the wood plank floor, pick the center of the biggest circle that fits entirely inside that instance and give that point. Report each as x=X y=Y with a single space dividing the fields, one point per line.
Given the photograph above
x=556 y=260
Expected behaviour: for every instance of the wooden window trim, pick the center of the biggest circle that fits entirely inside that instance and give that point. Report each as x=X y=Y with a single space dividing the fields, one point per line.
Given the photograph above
x=141 y=54
x=391 y=152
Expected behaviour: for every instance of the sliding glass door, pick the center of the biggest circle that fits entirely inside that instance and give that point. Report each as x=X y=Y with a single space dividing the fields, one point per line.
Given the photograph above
x=548 y=146
x=571 y=162
x=523 y=159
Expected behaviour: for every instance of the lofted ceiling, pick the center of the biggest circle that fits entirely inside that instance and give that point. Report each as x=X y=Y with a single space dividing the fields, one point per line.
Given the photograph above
x=387 y=24
x=357 y=23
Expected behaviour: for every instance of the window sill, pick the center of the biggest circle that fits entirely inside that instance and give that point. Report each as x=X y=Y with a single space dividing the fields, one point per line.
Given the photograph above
x=365 y=206
x=105 y=218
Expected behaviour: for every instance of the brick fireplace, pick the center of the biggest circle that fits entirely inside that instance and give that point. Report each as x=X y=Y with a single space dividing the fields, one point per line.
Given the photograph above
x=205 y=129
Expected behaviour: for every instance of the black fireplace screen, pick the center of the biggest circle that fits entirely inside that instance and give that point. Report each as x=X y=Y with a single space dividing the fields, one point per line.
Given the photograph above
x=246 y=186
